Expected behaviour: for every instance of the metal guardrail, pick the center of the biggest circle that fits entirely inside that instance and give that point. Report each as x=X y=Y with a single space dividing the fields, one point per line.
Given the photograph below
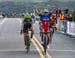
x=66 y=27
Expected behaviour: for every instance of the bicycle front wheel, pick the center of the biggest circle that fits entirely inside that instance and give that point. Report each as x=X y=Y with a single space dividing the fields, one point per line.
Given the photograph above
x=45 y=44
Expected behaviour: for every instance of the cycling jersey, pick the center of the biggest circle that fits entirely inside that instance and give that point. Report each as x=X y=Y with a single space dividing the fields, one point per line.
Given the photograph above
x=45 y=18
x=62 y=16
x=26 y=24
x=45 y=22
x=24 y=21
x=53 y=19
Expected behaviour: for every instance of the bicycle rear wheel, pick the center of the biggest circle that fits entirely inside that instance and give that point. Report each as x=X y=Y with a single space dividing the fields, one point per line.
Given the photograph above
x=28 y=45
x=51 y=35
x=27 y=42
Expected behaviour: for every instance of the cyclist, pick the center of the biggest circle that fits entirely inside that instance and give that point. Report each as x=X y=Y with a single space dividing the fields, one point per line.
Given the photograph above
x=33 y=17
x=27 y=24
x=52 y=23
x=44 y=17
x=53 y=19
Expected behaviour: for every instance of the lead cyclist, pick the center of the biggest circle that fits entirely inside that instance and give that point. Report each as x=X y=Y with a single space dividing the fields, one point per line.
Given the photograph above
x=44 y=17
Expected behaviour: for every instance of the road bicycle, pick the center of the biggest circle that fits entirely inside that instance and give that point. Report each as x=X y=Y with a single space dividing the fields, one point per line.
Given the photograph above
x=44 y=35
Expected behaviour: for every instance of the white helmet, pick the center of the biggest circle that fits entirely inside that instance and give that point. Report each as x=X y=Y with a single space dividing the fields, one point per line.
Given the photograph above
x=46 y=10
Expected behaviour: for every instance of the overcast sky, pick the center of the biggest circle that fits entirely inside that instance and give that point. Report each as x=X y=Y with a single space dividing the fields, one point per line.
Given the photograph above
x=37 y=0
x=64 y=0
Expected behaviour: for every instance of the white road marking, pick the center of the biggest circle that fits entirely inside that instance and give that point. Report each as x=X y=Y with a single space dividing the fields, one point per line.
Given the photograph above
x=15 y=50
x=62 y=50
x=3 y=21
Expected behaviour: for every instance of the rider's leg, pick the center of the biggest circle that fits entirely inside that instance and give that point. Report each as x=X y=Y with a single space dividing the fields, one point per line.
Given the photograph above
x=40 y=28
x=41 y=31
x=48 y=40
x=25 y=34
x=51 y=32
x=32 y=30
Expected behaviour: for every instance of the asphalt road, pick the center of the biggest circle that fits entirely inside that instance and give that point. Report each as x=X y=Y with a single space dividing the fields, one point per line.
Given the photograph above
x=62 y=46
x=12 y=44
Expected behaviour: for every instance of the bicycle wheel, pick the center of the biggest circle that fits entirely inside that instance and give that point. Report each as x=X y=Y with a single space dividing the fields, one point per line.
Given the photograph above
x=51 y=35
x=45 y=44
x=27 y=42
x=28 y=45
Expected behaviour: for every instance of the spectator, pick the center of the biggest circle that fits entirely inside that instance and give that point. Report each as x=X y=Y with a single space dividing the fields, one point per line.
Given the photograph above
x=66 y=11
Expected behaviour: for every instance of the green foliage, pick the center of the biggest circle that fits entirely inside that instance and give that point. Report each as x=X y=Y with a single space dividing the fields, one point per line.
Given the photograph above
x=73 y=16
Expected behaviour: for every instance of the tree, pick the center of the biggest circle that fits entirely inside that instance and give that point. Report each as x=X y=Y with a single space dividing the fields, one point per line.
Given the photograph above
x=73 y=16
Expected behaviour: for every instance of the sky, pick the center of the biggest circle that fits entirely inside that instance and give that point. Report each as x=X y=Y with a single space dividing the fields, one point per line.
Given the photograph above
x=65 y=0
x=37 y=0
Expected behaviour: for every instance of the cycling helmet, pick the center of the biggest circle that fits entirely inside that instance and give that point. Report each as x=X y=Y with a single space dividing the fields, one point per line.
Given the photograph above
x=27 y=16
x=46 y=10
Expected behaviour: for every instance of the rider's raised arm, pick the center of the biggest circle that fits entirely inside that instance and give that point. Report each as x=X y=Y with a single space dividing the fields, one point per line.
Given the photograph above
x=37 y=11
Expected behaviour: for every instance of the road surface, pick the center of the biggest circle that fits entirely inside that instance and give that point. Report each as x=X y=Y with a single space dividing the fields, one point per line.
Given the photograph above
x=12 y=44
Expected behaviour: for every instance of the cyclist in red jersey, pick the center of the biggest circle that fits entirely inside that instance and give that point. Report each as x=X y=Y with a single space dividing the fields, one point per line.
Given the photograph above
x=44 y=23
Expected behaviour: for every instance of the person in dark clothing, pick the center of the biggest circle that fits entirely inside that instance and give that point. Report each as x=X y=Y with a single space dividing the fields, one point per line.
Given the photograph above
x=66 y=11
